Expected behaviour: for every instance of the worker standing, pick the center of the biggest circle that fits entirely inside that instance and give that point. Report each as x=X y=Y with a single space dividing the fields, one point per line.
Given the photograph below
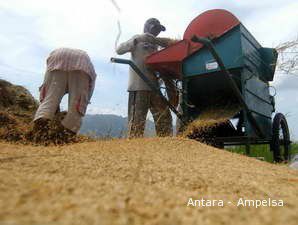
x=141 y=97
x=68 y=71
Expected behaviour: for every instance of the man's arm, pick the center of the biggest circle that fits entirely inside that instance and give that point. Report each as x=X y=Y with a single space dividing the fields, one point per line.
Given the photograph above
x=165 y=42
x=127 y=46
x=130 y=44
x=161 y=41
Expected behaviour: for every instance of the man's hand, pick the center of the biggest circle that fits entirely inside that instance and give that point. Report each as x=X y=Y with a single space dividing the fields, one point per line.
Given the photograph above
x=173 y=41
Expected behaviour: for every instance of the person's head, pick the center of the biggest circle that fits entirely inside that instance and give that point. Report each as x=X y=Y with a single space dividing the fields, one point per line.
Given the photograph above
x=153 y=26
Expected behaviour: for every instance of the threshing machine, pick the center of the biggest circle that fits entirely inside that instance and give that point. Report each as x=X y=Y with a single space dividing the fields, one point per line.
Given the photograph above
x=220 y=62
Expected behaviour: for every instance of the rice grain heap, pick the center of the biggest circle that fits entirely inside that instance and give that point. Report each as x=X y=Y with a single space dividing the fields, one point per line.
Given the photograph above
x=140 y=182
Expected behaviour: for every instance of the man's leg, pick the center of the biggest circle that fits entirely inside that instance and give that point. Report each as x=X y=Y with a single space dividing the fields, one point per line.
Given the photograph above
x=53 y=90
x=51 y=93
x=78 y=99
x=162 y=116
x=138 y=105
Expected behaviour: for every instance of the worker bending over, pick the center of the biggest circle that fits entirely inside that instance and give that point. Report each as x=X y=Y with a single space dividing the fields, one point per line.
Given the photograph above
x=68 y=71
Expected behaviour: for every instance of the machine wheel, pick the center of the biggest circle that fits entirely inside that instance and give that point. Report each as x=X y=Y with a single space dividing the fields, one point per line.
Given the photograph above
x=280 y=143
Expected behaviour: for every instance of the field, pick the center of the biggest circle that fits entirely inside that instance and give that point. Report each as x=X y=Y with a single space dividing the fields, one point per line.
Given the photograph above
x=262 y=151
x=142 y=181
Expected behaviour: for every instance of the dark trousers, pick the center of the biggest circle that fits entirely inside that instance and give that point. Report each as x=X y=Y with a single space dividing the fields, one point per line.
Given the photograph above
x=139 y=103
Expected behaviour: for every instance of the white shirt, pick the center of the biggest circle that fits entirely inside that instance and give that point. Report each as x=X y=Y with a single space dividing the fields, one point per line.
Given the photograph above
x=140 y=47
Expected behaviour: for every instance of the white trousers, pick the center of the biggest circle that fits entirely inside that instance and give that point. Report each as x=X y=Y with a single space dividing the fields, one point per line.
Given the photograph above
x=58 y=83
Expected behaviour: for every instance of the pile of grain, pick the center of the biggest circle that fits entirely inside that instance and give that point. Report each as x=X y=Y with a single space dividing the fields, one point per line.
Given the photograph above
x=16 y=99
x=142 y=181
x=17 y=107
x=53 y=134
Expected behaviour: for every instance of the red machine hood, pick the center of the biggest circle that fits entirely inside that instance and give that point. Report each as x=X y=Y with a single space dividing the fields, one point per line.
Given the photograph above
x=210 y=24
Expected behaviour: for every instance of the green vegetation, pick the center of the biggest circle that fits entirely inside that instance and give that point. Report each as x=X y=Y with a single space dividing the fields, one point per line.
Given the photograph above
x=261 y=151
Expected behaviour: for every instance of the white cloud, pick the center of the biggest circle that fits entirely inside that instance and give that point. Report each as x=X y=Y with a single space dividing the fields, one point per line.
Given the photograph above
x=271 y=27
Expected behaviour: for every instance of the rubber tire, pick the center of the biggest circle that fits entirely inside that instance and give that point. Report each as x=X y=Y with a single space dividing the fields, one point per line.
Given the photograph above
x=280 y=121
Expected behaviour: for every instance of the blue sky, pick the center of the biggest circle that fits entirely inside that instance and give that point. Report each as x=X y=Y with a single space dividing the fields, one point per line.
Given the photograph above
x=31 y=29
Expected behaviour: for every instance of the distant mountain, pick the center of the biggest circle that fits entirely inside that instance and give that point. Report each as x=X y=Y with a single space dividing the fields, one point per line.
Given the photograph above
x=108 y=125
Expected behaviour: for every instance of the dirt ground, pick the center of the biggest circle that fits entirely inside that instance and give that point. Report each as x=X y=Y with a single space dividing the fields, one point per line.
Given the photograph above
x=145 y=181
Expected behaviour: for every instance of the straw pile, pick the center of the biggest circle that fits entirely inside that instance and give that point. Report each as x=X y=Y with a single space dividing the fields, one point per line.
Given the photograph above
x=142 y=181
x=17 y=107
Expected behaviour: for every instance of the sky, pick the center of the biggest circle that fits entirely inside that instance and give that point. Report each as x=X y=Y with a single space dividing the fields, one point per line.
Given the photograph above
x=31 y=29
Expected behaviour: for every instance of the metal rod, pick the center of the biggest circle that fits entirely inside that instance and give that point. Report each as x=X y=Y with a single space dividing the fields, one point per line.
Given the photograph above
x=152 y=86
x=209 y=45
